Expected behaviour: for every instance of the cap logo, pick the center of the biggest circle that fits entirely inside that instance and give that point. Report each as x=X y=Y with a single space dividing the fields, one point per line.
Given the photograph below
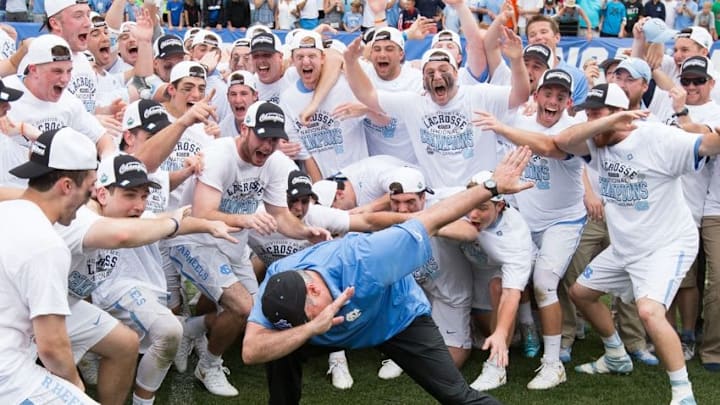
x=382 y=35
x=241 y=42
x=170 y=42
x=131 y=166
x=558 y=75
x=695 y=62
x=596 y=93
x=38 y=149
x=237 y=79
x=264 y=39
x=301 y=179
x=154 y=110
x=445 y=36
x=272 y=116
x=538 y=49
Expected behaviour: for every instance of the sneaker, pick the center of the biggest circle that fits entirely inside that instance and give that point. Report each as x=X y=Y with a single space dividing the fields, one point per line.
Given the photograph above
x=215 y=380
x=565 y=354
x=531 y=341
x=606 y=364
x=183 y=352
x=389 y=370
x=644 y=356
x=341 y=378
x=682 y=394
x=490 y=378
x=550 y=375
x=88 y=366
x=688 y=348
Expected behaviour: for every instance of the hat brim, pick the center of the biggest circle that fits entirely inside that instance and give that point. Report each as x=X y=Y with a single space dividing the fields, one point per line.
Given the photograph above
x=8 y=94
x=665 y=36
x=30 y=170
x=310 y=194
x=172 y=52
x=533 y=55
x=263 y=48
x=137 y=183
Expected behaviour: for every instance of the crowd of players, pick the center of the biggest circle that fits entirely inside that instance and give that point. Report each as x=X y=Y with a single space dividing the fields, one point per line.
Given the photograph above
x=199 y=182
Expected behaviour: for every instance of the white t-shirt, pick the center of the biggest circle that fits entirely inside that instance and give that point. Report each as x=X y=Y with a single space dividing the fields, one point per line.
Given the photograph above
x=193 y=140
x=228 y=129
x=271 y=92
x=83 y=82
x=448 y=147
x=12 y=154
x=89 y=267
x=310 y=11
x=370 y=177
x=33 y=281
x=639 y=181
x=558 y=192
x=119 y=66
x=243 y=188
x=159 y=198
x=276 y=246
x=333 y=143
x=46 y=115
x=506 y=244
x=219 y=100
x=392 y=139
x=7 y=45
x=111 y=88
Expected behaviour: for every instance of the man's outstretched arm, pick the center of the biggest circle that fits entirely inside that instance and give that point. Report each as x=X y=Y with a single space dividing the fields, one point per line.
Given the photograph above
x=506 y=175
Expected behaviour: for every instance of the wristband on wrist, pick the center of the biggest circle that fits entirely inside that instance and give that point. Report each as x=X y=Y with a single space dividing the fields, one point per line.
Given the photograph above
x=177 y=227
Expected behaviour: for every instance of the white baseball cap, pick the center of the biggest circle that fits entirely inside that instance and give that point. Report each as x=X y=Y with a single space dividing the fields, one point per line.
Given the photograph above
x=208 y=38
x=256 y=29
x=447 y=35
x=187 y=68
x=242 y=77
x=438 y=55
x=45 y=49
x=407 y=180
x=306 y=40
x=389 y=33
x=698 y=34
x=325 y=190
x=59 y=149
x=53 y=7
x=480 y=178
x=605 y=95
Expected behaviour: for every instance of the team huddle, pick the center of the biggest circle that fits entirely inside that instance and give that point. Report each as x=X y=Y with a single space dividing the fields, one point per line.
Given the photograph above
x=321 y=197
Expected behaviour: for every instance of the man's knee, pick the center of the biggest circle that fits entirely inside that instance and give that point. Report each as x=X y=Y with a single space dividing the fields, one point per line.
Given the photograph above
x=580 y=294
x=650 y=312
x=121 y=342
x=237 y=300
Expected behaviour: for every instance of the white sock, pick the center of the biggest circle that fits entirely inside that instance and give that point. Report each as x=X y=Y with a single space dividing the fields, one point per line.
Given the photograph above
x=140 y=401
x=209 y=360
x=551 y=347
x=614 y=346
x=525 y=314
x=679 y=376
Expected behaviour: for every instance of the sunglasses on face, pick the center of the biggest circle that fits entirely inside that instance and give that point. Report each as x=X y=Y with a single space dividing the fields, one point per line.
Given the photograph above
x=697 y=81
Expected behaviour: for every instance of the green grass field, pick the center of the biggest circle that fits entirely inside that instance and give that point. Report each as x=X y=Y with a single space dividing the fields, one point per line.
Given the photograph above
x=646 y=385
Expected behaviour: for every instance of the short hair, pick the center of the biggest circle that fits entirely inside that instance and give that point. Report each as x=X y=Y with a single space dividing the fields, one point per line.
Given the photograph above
x=541 y=18
x=47 y=181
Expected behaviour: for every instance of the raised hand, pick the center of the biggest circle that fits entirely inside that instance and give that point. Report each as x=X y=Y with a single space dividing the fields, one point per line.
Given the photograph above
x=262 y=222
x=507 y=173
x=326 y=319
x=200 y=111
x=354 y=51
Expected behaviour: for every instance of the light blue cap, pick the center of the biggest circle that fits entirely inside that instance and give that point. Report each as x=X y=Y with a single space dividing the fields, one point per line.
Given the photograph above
x=637 y=68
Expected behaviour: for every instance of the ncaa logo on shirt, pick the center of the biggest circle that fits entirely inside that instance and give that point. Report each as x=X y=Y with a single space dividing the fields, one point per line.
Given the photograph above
x=353 y=315
x=588 y=272
x=225 y=269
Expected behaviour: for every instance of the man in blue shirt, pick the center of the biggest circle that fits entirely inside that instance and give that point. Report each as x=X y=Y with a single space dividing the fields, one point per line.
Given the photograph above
x=359 y=292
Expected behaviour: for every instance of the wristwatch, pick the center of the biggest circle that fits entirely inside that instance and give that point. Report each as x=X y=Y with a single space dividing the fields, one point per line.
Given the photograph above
x=681 y=113
x=491 y=186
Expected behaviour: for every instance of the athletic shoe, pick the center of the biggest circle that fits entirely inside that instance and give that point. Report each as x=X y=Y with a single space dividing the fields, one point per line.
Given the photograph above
x=550 y=375
x=644 y=356
x=688 y=347
x=531 y=341
x=88 y=366
x=341 y=378
x=215 y=380
x=606 y=364
x=389 y=370
x=183 y=352
x=565 y=354
x=490 y=378
x=682 y=393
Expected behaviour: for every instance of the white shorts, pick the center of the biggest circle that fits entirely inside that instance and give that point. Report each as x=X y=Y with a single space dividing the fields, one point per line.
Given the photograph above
x=138 y=309
x=86 y=326
x=50 y=389
x=172 y=279
x=211 y=271
x=556 y=247
x=453 y=322
x=656 y=276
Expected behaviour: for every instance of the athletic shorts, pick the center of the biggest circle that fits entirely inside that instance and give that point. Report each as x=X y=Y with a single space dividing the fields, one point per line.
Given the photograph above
x=556 y=247
x=656 y=276
x=138 y=309
x=52 y=390
x=453 y=323
x=211 y=271
x=86 y=326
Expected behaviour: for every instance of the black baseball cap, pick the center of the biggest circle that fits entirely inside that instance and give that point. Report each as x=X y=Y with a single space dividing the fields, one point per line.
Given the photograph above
x=697 y=66
x=556 y=77
x=8 y=93
x=267 y=119
x=283 y=302
x=265 y=42
x=123 y=171
x=300 y=185
x=146 y=114
x=58 y=149
x=540 y=52
x=168 y=45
